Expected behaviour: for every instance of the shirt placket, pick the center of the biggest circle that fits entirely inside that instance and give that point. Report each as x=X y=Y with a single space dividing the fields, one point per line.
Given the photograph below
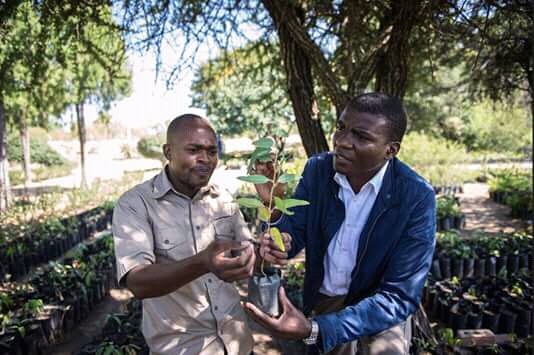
x=202 y=237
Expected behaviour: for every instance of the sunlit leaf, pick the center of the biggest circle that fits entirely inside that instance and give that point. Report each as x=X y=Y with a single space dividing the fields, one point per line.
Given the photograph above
x=254 y=179
x=285 y=178
x=292 y=202
x=249 y=202
x=277 y=237
x=265 y=142
x=264 y=214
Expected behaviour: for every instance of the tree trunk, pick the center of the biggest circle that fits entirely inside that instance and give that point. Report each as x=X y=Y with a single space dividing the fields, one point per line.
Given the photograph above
x=26 y=158
x=299 y=81
x=392 y=64
x=82 y=137
x=5 y=188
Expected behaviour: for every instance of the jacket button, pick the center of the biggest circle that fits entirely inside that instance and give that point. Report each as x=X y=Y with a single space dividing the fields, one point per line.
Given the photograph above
x=166 y=241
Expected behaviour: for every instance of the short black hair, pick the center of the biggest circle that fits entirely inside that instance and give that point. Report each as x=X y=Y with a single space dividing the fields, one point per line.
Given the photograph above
x=178 y=121
x=389 y=107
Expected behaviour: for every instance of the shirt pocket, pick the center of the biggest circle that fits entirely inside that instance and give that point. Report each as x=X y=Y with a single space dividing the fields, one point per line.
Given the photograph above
x=224 y=227
x=173 y=243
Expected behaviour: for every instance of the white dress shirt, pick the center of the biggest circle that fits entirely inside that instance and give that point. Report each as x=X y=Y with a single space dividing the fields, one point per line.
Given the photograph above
x=340 y=258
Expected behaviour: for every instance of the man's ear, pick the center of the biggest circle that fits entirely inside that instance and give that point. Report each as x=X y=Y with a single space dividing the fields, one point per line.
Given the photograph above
x=392 y=150
x=167 y=151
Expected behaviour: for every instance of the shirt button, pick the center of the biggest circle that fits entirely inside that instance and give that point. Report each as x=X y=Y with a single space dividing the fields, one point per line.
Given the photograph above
x=216 y=308
x=198 y=227
x=166 y=241
x=209 y=280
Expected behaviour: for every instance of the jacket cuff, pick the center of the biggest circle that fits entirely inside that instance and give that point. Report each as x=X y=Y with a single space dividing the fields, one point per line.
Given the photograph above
x=328 y=330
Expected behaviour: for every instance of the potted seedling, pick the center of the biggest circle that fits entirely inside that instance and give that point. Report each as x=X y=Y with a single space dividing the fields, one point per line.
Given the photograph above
x=264 y=284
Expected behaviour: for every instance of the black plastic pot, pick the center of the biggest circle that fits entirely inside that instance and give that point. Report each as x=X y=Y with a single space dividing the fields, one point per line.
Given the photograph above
x=263 y=292
x=523 y=261
x=490 y=320
x=446 y=223
x=513 y=263
x=469 y=267
x=502 y=262
x=436 y=270
x=444 y=310
x=507 y=322
x=458 y=319
x=480 y=268
x=524 y=320
x=474 y=320
x=445 y=266
x=458 y=268
x=459 y=221
x=491 y=266
x=10 y=344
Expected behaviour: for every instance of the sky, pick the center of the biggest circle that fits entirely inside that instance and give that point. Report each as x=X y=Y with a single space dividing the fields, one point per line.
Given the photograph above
x=151 y=103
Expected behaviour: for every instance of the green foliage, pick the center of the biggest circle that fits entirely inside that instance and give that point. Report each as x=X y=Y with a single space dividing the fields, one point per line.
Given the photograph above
x=42 y=173
x=516 y=187
x=243 y=90
x=498 y=127
x=435 y=159
x=265 y=152
x=447 y=206
x=152 y=147
x=40 y=151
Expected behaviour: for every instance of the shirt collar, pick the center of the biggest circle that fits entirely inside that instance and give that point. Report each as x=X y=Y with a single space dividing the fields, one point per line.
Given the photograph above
x=376 y=181
x=162 y=185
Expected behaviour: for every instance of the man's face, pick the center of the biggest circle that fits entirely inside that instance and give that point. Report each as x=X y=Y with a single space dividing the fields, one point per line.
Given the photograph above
x=361 y=143
x=192 y=155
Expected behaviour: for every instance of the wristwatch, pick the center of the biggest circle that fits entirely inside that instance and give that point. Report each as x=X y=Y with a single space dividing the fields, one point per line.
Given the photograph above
x=312 y=338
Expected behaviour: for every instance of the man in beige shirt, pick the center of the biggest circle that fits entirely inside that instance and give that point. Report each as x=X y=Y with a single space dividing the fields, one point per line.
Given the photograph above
x=174 y=239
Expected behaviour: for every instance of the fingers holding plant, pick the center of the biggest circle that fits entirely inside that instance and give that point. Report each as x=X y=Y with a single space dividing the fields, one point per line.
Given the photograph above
x=275 y=246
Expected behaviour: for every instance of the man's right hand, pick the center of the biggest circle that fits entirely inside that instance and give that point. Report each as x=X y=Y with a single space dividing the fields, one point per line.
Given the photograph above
x=270 y=252
x=229 y=269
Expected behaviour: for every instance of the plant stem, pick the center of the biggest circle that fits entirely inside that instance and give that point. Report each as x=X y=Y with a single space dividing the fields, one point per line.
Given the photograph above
x=271 y=197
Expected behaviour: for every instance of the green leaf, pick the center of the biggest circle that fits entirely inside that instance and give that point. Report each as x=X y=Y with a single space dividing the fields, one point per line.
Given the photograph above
x=277 y=237
x=292 y=202
x=249 y=202
x=265 y=142
x=264 y=214
x=285 y=178
x=281 y=206
x=254 y=179
x=260 y=154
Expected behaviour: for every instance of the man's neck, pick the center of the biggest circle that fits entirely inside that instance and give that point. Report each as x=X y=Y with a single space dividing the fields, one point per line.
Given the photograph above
x=357 y=181
x=179 y=187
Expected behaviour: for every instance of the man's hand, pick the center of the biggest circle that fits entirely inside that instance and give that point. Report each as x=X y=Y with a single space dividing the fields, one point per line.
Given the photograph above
x=292 y=323
x=270 y=252
x=264 y=190
x=229 y=269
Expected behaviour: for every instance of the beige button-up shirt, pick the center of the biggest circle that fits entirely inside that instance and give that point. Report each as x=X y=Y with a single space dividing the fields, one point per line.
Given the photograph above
x=153 y=223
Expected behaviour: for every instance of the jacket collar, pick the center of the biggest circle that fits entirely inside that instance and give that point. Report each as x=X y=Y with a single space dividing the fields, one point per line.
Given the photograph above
x=386 y=196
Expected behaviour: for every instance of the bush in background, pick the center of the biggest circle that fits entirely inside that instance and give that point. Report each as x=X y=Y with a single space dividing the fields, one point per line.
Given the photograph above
x=40 y=151
x=151 y=147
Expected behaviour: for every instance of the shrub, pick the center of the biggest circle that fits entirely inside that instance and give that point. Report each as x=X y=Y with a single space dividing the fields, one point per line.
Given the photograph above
x=151 y=147
x=40 y=151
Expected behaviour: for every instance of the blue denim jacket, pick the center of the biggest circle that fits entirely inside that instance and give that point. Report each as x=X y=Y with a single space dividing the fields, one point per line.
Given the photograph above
x=394 y=254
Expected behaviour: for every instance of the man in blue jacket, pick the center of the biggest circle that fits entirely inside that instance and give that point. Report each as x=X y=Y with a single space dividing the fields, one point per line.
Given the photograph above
x=369 y=234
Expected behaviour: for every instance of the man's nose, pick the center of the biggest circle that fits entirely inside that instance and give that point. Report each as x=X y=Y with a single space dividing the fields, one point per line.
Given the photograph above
x=340 y=140
x=203 y=156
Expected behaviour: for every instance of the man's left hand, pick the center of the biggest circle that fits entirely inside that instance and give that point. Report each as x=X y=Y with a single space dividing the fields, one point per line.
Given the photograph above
x=292 y=323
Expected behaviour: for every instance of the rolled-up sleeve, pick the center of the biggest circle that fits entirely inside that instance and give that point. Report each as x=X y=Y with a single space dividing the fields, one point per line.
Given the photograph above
x=132 y=234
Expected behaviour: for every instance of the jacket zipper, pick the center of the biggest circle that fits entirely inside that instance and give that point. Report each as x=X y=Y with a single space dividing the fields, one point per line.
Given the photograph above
x=367 y=240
